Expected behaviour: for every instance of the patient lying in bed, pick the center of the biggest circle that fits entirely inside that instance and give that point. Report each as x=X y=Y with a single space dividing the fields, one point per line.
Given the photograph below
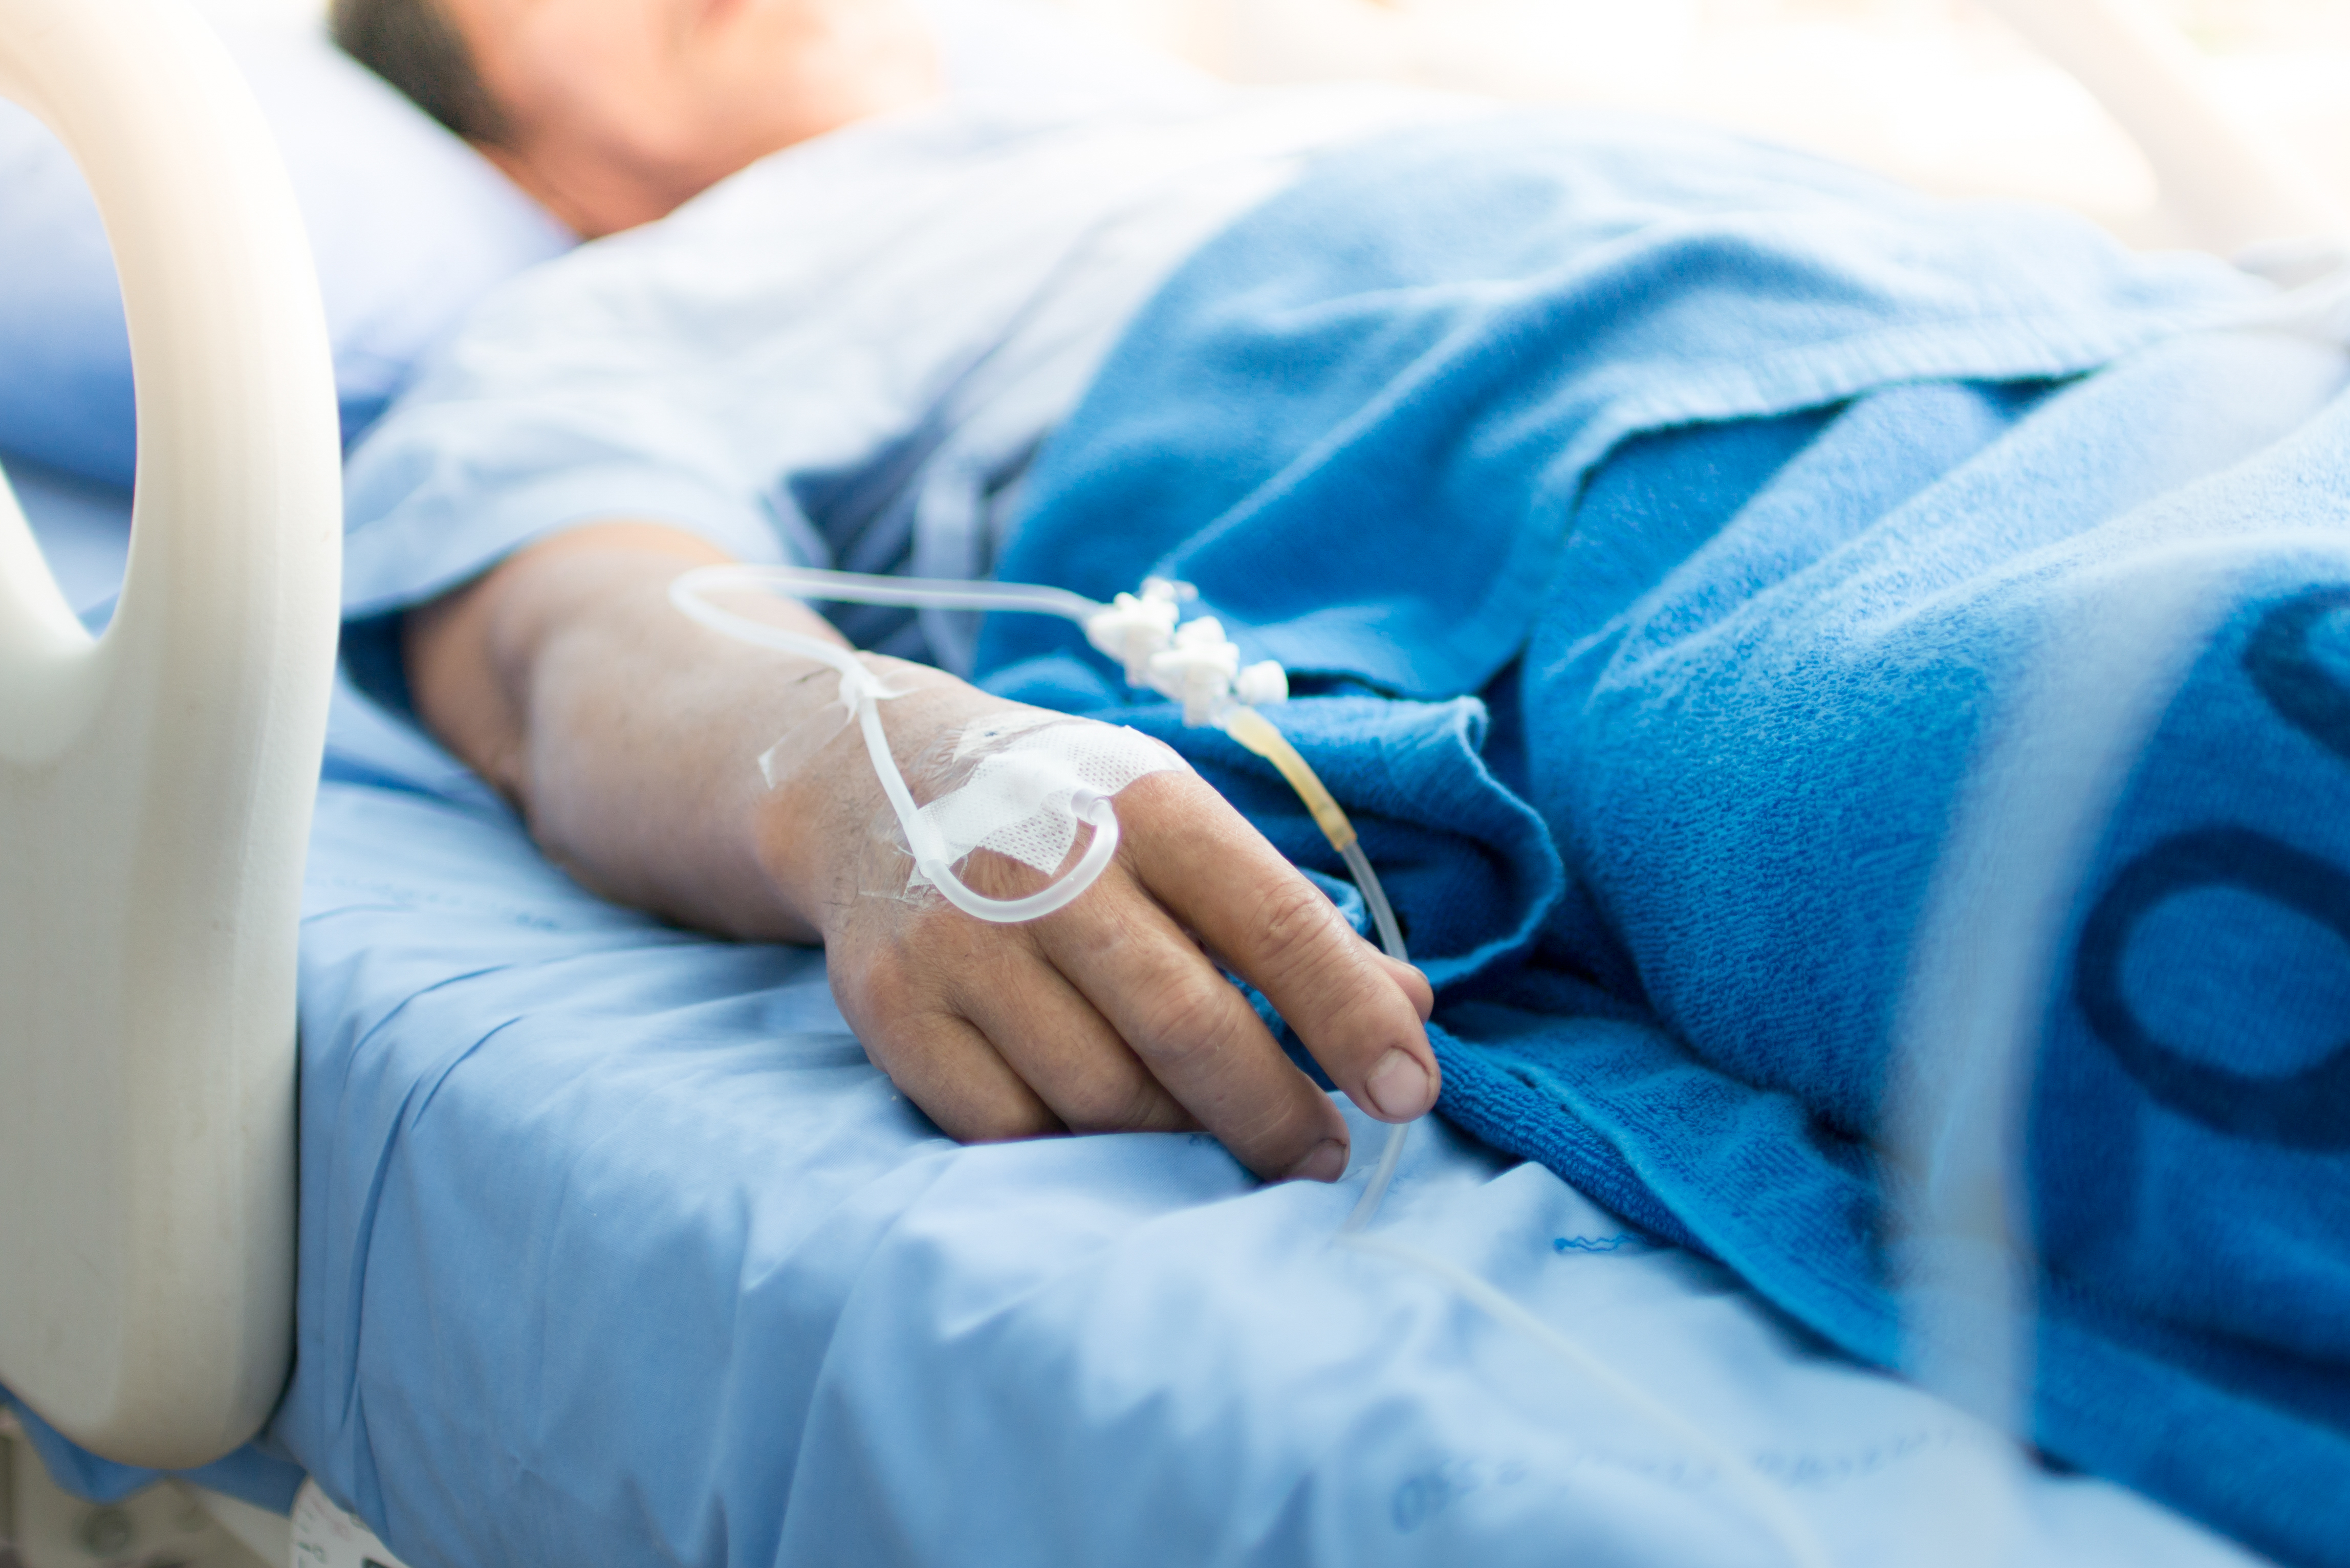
x=1662 y=525
x=568 y=679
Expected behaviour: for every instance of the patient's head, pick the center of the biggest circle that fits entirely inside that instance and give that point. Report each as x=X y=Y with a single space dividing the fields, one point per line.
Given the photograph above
x=612 y=112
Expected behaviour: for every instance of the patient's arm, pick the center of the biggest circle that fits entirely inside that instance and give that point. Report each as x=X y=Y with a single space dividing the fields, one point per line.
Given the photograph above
x=627 y=734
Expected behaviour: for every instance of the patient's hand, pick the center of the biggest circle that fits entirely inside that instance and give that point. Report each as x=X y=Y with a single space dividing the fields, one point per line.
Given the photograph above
x=627 y=735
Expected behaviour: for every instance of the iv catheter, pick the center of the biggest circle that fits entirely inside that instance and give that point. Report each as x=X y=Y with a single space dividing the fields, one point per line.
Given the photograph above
x=1192 y=663
x=1189 y=662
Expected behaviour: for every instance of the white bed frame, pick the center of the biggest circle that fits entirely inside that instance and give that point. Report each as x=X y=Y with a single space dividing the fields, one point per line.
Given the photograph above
x=156 y=783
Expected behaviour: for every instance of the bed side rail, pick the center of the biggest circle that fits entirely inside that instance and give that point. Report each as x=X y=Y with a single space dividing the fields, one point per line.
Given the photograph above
x=156 y=783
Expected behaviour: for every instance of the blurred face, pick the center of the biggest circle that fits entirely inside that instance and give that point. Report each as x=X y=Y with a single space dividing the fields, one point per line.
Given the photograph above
x=623 y=110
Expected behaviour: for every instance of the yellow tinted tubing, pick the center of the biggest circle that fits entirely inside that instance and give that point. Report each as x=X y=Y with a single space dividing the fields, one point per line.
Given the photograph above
x=1255 y=730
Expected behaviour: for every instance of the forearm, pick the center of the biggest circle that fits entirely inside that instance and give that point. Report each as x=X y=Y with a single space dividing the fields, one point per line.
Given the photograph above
x=629 y=736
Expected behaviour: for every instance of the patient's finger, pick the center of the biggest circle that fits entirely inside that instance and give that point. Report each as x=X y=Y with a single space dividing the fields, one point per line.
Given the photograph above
x=1360 y=1019
x=1066 y=1052
x=945 y=1065
x=1194 y=1032
x=1415 y=985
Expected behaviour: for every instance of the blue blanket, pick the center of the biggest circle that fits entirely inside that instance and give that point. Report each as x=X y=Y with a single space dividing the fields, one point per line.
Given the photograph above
x=1702 y=567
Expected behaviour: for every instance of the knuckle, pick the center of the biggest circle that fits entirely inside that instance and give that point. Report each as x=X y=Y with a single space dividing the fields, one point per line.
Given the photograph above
x=872 y=986
x=863 y=1000
x=1009 y=1123
x=1291 y=925
x=1158 y=807
x=1132 y=1104
x=1158 y=794
x=1188 y=1015
x=886 y=998
x=1277 y=1134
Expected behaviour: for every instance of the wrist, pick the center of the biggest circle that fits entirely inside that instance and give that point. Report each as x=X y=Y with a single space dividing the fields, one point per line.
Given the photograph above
x=825 y=832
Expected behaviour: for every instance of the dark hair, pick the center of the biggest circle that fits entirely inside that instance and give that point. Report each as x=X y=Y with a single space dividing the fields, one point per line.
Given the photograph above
x=413 y=45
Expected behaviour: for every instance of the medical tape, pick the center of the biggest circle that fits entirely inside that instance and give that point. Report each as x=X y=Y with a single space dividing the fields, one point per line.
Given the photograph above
x=1030 y=776
x=1030 y=794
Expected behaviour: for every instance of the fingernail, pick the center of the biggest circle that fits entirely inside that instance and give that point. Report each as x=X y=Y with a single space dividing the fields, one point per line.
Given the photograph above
x=1398 y=1087
x=1327 y=1163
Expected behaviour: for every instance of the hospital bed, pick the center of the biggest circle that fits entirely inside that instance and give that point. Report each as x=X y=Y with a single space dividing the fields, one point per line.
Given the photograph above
x=1503 y=1349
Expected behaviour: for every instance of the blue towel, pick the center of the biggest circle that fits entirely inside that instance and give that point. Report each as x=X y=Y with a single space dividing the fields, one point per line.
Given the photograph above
x=1763 y=506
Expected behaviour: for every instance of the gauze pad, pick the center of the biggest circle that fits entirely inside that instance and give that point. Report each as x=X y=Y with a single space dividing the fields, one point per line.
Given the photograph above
x=1029 y=777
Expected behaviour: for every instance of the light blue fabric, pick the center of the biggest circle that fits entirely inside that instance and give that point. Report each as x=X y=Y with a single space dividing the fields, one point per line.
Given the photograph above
x=1754 y=676
x=615 y=1249
x=845 y=355
x=1400 y=372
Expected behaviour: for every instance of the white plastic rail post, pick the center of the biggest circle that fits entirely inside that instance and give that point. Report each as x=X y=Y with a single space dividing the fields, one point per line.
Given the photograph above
x=156 y=783
x=2231 y=185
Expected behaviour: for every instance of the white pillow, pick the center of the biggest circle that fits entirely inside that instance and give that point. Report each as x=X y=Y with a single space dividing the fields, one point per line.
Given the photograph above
x=410 y=227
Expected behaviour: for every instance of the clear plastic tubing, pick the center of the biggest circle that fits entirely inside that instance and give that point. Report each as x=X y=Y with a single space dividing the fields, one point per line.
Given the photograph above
x=905 y=593
x=1255 y=730
x=862 y=692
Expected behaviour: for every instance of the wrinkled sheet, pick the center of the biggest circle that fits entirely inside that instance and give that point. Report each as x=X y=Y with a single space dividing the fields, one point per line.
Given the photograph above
x=615 y=1249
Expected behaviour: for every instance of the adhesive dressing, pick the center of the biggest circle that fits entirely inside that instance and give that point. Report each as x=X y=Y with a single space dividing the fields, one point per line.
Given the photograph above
x=1028 y=781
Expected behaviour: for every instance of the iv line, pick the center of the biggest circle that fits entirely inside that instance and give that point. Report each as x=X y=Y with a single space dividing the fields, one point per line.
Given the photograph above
x=1179 y=657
